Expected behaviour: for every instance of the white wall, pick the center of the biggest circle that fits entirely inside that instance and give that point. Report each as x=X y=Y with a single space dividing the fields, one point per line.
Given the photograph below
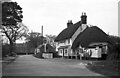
x=96 y=52
x=80 y=29
x=63 y=44
x=60 y=52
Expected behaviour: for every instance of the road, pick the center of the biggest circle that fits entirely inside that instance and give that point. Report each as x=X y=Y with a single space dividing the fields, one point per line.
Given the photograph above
x=28 y=65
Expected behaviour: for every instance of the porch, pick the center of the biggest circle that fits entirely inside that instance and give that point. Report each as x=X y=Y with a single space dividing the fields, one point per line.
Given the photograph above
x=94 y=51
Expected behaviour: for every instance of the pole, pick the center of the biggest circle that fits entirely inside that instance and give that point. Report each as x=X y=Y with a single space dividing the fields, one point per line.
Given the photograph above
x=45 y=47
x=42 y=30
x=1 y=44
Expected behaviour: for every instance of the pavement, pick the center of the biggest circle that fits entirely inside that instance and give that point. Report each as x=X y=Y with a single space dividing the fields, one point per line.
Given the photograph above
x=28 y=65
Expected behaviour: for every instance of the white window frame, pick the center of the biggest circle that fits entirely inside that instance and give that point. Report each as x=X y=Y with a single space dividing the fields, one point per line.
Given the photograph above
x=61 y=52
x=65 y=52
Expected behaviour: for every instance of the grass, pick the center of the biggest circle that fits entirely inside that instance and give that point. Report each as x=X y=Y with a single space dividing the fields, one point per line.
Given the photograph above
x=107 y=68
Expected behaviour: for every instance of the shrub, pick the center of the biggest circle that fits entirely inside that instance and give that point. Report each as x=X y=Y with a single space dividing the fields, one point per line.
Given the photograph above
x=55 y=54
x=39 y=55
x=114 y=52
x=5 y=50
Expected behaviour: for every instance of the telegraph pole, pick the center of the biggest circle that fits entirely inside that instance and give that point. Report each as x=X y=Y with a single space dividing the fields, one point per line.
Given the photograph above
x=44 y=39
x=42 y=30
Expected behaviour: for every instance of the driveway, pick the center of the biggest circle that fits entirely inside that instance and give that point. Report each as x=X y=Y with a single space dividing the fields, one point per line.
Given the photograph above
x=28 y=65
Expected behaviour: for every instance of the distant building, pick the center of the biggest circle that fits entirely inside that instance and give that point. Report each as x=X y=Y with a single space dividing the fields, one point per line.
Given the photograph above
x=48 y=46
x=50 y=40
x=80 y=35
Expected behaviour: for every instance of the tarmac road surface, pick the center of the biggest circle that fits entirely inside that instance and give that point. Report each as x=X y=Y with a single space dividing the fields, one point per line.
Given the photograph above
x=28 y=65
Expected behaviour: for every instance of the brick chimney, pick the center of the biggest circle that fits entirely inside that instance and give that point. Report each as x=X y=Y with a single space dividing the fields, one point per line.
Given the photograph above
x=84 y=18
x=83 y=21
x=69 y=23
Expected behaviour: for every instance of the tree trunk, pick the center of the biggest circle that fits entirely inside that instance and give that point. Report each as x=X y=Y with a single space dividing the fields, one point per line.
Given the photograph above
x=12 y=47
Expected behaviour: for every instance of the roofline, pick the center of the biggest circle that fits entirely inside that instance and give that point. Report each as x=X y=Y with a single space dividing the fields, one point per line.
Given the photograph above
x=62 y=40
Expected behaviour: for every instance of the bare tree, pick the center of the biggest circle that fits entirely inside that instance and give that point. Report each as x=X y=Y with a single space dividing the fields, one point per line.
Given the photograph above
x=34 y=39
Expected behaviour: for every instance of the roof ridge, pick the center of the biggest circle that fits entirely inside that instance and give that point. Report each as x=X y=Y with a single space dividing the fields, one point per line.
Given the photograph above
x=68 y=32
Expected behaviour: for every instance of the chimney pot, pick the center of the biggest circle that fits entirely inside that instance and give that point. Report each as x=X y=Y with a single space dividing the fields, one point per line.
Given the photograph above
x=84 y=13
x=84 y=18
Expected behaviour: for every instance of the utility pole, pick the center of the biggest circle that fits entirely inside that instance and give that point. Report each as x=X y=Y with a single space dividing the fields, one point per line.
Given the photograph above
x=42 y=30
x=44 y=41
x=1 y=43
x=45 y=47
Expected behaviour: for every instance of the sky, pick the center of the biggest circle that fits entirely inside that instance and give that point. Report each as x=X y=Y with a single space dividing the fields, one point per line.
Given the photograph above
x=53 y=15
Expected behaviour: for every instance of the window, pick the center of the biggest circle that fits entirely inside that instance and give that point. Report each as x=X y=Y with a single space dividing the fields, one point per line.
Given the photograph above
x=65 y=51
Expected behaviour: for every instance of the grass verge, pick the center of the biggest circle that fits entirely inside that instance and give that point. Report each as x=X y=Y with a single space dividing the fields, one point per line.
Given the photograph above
x=107 y=68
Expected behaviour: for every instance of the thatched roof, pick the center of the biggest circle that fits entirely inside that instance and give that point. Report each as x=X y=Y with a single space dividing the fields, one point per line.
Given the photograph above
x=91 y=35
x=68 y=32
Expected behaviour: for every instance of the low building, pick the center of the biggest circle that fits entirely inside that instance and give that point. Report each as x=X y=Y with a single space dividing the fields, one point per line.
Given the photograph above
x=80 y=35
x=66 y=38
x=95 y=40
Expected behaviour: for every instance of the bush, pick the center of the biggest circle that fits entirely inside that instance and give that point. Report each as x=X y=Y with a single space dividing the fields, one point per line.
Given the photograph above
x=55 y=54
x=39 y=55
x=5 y=50
x=113 y=56
x=114 y=52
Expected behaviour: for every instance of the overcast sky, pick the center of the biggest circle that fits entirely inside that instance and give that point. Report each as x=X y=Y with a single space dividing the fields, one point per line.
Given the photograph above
x=54 y=14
